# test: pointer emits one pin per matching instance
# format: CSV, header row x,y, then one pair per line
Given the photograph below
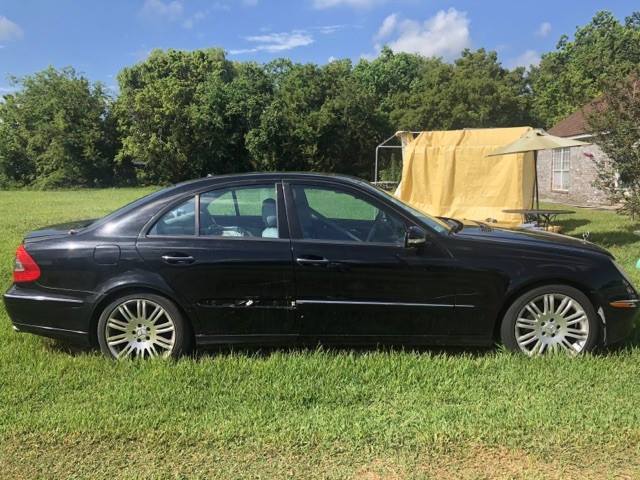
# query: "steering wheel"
x,y
380,218
325,221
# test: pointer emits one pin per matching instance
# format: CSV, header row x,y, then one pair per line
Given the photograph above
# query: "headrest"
x,y
270,221
269,210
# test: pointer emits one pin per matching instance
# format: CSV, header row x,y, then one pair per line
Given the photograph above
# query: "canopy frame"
x,y
384,145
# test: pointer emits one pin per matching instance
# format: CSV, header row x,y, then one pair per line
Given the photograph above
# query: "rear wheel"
x,y
142,325
553,318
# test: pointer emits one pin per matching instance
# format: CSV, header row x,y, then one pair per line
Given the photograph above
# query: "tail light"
x,y
26,269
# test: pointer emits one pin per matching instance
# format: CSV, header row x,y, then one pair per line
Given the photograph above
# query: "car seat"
x,y
269,218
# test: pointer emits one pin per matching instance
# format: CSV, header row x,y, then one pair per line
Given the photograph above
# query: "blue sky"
x,y
98,38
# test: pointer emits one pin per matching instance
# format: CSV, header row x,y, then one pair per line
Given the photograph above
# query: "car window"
x,y
327,213
180,220
223,205
247,211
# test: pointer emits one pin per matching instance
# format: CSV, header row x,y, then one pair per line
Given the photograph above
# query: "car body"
x,y
249,259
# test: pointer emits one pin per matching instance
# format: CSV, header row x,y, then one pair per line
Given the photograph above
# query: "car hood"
x,y
525,236
61,229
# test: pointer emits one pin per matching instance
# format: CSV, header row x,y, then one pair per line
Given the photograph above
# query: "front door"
x,y
354,275
226,253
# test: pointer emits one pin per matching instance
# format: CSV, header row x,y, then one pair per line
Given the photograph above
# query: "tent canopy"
x,y
448,173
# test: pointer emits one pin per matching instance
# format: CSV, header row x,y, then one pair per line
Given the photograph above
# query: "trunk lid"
x,y
58,230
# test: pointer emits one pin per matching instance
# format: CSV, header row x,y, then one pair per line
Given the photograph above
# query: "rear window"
x,y
179,221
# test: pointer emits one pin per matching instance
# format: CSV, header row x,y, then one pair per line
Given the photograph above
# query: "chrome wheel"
x,y
140,328
552,322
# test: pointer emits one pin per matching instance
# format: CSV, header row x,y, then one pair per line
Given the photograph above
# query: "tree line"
x,y
186,114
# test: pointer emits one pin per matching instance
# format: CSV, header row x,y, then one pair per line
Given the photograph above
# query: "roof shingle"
x,y
574,124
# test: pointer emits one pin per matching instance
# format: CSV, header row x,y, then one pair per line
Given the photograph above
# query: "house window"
x,y
560,178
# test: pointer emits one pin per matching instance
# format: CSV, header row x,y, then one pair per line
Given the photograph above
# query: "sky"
x,y
98,38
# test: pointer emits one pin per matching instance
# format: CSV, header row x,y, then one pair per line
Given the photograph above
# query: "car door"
x,y
227,254
354,275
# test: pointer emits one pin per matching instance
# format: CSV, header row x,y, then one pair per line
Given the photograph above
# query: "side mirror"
x,y
415,237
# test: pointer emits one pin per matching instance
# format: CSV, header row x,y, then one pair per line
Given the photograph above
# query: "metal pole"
x,y
535,169
375,175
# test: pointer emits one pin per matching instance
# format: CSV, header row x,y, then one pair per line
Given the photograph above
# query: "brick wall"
x,y
582,173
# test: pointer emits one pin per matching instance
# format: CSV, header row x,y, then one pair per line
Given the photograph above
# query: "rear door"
x,y
354,275
226,252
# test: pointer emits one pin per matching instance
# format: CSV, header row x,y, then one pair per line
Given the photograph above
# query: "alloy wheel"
x,y
140,328
552,322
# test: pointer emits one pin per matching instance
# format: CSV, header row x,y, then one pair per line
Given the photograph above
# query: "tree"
x,y
54,132
577,70
474,92
171,114
388,75
615,121
320,119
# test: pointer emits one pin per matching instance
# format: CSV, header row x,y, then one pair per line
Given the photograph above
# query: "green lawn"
x,y
310,414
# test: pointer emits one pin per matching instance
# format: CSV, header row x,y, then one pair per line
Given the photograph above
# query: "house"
x,y
566,175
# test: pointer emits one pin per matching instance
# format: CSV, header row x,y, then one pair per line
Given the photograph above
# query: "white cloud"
x,y
445,34
330,29
388,26
169,10
9,30
331,59
544,29
526,59
321,4
276,42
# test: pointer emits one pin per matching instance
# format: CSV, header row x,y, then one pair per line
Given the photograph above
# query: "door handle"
x,y
178,259
317,261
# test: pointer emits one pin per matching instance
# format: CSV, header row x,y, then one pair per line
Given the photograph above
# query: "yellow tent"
x,y
448,174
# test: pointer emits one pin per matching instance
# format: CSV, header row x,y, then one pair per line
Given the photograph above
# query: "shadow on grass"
x,y
614,238
264,352
204,352
571,224
607,239
60,346
71,349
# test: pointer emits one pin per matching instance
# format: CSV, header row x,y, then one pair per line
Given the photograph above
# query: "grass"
x,y
310,414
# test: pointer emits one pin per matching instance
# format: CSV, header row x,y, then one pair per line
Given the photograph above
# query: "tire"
x,y
143,325
552,318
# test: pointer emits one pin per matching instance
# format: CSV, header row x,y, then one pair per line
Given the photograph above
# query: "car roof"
x,y
213,180
268,176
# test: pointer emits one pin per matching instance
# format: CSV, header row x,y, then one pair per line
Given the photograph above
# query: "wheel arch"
x,y
121,291
516,293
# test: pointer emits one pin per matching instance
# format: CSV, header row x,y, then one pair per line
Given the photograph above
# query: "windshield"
x,y
435,223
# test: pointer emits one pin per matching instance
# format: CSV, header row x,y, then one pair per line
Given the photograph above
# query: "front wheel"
x,y
553,318
142,325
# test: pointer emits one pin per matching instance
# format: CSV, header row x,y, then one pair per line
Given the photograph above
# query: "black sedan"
x,y
305,258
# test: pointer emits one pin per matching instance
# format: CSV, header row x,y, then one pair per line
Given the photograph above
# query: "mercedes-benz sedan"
x,y
294,258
